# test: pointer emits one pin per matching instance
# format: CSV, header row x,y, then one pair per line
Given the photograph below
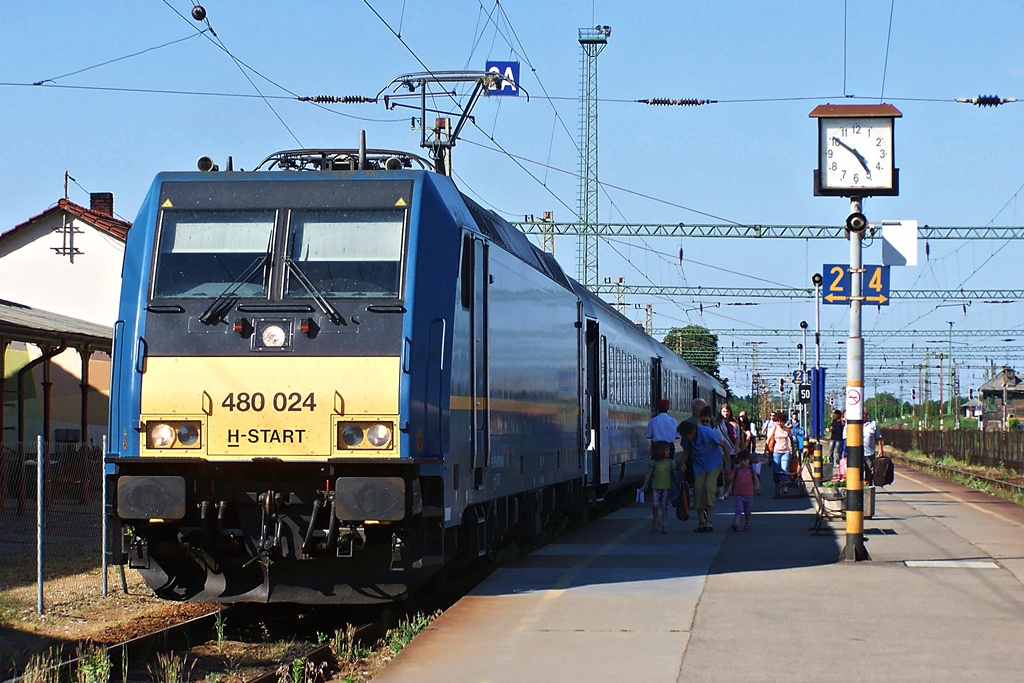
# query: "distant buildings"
x,y
1002,399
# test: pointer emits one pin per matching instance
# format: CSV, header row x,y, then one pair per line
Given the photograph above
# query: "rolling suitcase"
x,y
883,471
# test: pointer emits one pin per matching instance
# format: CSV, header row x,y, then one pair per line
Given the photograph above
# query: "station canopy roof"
x,y
19,322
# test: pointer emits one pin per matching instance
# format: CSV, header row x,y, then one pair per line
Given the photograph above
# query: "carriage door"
x,y
480,446
658,390
591,397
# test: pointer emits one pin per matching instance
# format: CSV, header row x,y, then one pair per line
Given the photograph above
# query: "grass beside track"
x,y
998,481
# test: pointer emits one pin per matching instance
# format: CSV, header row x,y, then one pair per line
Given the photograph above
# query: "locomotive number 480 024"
x,y
244,402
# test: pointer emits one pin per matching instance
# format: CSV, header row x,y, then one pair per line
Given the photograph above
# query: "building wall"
x,y
993,402
65,394
86,286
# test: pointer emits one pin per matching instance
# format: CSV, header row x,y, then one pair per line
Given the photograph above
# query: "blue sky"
x,y
747,159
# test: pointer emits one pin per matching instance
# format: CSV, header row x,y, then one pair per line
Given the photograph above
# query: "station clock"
x,y
856,154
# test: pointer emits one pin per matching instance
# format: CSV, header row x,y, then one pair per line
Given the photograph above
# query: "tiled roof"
x,y
115,226
1008,375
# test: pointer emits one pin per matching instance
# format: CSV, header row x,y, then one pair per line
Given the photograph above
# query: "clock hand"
x,y
860,157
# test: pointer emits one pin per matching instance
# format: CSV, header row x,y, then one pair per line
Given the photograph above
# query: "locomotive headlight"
x,y
161,435
366,436
273,336
352,435
173,434
188,434
379,435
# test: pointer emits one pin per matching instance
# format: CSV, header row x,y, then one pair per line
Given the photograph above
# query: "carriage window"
x,y
604,366
203,253
351,254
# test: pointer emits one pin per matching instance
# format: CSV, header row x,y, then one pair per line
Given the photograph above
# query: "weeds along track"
x,y
961,473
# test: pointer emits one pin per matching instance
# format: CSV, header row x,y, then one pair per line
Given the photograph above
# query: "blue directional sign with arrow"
x,y
836,287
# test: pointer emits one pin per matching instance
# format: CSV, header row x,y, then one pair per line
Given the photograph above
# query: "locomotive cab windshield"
x,y
295,246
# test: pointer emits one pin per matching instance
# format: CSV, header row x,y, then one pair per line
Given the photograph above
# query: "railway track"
x,y
1014,489
312,644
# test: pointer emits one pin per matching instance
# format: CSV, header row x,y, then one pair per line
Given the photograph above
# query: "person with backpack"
x,y
744,483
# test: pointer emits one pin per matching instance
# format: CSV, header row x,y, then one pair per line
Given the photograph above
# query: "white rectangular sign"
x,y
899,243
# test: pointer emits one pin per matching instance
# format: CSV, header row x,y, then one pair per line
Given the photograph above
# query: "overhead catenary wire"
x,y
54,79
242,67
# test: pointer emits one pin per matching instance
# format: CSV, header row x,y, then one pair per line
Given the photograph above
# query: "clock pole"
x,y
856,159
854,550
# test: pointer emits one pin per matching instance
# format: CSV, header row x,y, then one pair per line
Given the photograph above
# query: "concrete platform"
x,y
942,598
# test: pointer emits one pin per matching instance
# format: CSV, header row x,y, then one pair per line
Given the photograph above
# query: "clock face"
x,y
855,154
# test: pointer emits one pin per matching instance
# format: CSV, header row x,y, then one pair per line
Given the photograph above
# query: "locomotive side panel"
x,y
533,394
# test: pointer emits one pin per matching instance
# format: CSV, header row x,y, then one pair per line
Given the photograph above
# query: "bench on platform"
x,y
828,506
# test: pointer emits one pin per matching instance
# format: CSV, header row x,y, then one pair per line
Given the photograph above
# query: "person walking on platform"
x,y
705,449
749,441
730,431
872,446
697,406
778,448
748,433
662,428
744,482
835,443
659,475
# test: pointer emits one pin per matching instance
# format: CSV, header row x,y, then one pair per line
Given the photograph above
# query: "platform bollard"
x,y
816,463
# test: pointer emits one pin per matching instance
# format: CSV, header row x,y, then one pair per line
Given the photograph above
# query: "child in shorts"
x,y
659,475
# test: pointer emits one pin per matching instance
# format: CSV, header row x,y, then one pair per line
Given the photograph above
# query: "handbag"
x,y
769,445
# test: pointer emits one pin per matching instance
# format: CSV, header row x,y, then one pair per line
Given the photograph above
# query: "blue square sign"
x,y
508,84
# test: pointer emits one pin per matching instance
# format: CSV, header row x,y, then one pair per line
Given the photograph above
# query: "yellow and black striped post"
x,y
816,462
854,551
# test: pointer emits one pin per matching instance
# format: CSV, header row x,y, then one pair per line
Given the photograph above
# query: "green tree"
x,y
696,345
884,407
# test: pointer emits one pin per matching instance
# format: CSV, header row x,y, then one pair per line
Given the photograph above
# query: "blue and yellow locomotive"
x,y
336,376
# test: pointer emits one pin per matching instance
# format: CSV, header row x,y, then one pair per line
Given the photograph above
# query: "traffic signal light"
x,y
782,385
913,394
971,392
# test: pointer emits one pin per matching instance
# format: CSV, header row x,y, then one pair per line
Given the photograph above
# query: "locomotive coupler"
x,y
271,521
307,541
352,538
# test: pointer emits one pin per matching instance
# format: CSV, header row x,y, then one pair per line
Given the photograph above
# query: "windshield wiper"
x,y
215,312
329,310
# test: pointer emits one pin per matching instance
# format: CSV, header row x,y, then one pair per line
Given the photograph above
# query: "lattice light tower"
x,y
592,40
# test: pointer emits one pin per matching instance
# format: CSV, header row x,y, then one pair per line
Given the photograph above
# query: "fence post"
x,y
40,456
103,512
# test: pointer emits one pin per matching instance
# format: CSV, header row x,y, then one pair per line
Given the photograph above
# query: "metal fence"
x,y
50,527
972,445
